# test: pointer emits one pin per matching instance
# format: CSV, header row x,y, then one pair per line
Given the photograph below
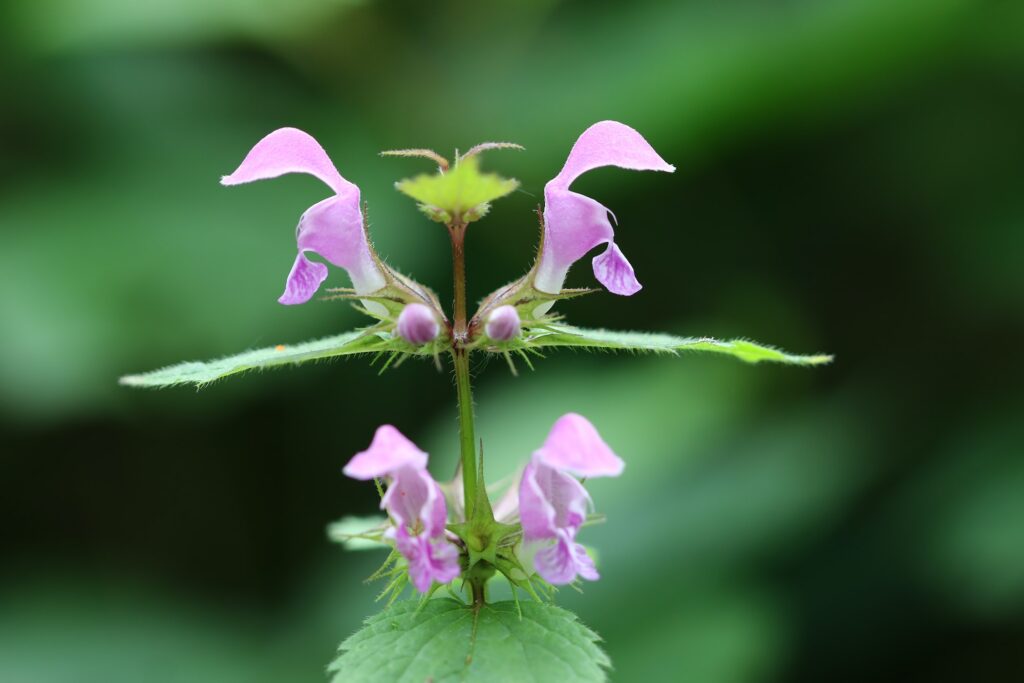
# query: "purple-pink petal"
x,y
415,501
609,143
304,279
412,498
574,224
334,229
574,445
288,150
435,516
550,501
388,452
560,563
430,558
614,272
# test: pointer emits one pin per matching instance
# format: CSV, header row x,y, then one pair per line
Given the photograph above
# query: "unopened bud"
x,y
417,324
503,323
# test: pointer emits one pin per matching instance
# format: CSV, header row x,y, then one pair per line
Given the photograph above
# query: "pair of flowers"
x,y
549,502
335,228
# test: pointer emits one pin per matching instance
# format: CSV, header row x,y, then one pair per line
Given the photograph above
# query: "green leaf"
x,y
349,343
358,533
576,337
458,191
447,641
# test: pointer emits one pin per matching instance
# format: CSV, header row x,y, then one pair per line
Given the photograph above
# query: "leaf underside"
x,y
200,373
439,643
536,339
358,533
642,342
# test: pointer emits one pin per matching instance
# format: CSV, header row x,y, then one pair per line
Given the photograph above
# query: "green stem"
x,y
460,358
479,589
467,438
457,232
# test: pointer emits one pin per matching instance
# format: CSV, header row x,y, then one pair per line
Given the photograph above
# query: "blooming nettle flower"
x,y
574,224
553,504
414,502
332,228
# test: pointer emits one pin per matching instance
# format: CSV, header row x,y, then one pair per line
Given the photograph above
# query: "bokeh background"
x,y
850,181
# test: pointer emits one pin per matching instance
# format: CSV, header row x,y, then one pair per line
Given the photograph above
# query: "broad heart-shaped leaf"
x,y
447,641
576,337
459,189
349,343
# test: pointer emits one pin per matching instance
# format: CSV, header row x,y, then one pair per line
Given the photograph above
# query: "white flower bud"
x,y
417,324
503,323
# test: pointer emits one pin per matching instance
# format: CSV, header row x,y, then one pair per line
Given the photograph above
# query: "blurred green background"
x,y
849,181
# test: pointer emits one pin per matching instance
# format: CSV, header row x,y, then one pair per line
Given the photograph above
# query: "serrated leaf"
x,y
200,373
358,533
576,337
447,641
458,190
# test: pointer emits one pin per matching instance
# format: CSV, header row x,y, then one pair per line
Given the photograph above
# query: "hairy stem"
x,y
460,357
466,430
457,231
479,593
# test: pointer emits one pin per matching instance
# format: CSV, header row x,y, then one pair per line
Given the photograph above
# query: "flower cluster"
x,y
335,230
550,503
444,532
448,533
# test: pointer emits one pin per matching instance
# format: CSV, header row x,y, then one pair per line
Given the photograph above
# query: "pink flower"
x,y
332,228
553,504
574,224
414,502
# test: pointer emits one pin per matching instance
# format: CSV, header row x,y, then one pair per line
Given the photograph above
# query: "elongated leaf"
x,y
441,643
358,533
576,337
349,343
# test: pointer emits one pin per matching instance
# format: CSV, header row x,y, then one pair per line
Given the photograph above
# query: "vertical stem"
x,y
467,437
457,231
460,357
479,588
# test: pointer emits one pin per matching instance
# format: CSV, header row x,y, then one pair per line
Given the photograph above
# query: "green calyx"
x,y
489,544
481,534
490,548
460,194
